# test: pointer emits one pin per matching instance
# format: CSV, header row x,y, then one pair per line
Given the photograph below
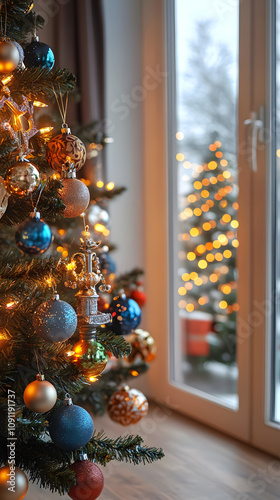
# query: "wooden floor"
x,y
200,464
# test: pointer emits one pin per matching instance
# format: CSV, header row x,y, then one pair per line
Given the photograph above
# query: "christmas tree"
x,y
209,243
41,431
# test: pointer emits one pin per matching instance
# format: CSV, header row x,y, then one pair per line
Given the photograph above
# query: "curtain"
x,y
79,46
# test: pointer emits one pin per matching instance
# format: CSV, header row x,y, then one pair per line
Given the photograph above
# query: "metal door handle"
x,y
257,135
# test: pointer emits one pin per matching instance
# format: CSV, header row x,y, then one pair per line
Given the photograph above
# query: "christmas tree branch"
x,y
40,83
116,344
124,449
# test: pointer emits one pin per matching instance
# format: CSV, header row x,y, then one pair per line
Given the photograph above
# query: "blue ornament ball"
x,y
38,54
126,315
71,427
33,236
107,264
55,320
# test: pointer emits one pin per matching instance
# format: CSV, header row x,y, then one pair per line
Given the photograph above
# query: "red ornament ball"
x,y
139,297
89,481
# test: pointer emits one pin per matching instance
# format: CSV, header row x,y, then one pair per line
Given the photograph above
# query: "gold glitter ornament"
x,y
127,406
22,178
17,478
75,196
40,396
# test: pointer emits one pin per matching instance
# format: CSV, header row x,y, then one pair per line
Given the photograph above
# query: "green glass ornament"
x,y
91,357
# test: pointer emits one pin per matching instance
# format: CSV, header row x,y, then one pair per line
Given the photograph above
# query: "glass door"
x,y
205,220
266,348
209,98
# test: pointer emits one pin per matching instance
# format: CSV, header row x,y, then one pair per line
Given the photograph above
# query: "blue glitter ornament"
x,y
71,427
33,236
126,315
38,54
55,320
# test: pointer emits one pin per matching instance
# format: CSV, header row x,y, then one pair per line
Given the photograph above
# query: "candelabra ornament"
x,y
83,273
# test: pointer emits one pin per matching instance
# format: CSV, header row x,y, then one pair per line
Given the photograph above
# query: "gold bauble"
x,y
142,346
127,406
91,357
40,396
12,477
22,178
9,57
75,196
65,149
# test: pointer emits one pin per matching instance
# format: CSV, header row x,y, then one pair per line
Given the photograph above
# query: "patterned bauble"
x,y
142,346
12,477
33,236
40,396
75,196
139,296
65,149
96,214
127,406
55,320
21,53
9,56
71,427
22,178
3,197
37,54
89,480
106,263
91,357
126,315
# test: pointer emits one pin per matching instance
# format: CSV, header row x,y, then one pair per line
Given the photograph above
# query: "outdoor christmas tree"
x,y
41,369
209,243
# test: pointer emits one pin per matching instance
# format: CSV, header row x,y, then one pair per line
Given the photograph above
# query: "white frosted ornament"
x,y
96,215
4,196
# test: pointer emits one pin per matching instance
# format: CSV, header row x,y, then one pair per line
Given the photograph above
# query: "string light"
x,y
7,79
190,307
187,164
198,281
100,184
194,231
11,304
234,224
179,136
223,304
212,165
191,256
110,186
202,264
45,130
182,290
39,104
180,157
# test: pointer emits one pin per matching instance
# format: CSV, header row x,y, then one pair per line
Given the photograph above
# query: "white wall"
x,y
123,63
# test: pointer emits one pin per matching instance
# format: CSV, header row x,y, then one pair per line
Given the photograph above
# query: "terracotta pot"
x,y
195,328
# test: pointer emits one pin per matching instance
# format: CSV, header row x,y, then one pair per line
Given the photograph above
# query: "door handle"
x,y
257,135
